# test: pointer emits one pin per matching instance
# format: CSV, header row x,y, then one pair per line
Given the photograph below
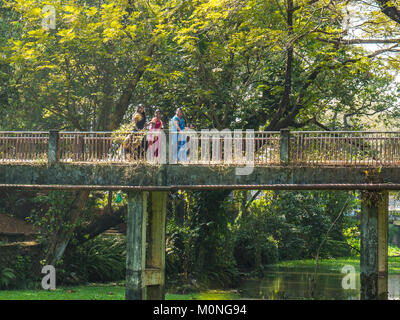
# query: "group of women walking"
x,y
138,145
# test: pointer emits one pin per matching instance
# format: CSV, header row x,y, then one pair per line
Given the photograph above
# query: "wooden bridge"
x,y
341,160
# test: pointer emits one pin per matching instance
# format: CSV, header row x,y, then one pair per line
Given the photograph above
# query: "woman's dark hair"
x,y
139,106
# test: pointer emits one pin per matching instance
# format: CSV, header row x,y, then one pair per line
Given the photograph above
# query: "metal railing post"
x,y
78,147
167,146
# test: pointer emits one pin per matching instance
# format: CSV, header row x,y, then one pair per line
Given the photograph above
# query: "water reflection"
x,y
293,283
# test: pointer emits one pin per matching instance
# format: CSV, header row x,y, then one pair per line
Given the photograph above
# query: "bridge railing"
x,y
205,147
231,148
102,146
345,148
23,146
267,147
200,148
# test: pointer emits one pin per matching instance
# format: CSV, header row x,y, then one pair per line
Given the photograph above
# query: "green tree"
x,y
289,225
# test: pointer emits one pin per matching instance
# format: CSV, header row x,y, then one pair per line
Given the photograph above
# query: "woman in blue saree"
x,y
178,148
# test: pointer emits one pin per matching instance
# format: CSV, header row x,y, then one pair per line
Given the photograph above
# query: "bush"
x,y
293,225
100,259
393,251
254,245
6,275
245,251
25,277
352,237
335,249
175,256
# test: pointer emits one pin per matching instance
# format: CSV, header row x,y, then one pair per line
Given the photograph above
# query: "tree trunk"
x,y
100,224
257,248
243,203
123,102
284,104
60,240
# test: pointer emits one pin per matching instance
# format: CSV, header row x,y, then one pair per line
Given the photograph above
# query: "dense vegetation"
x,y
258,64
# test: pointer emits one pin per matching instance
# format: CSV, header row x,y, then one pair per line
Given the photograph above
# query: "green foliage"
x,y
6,275
393,251
199,241
393,230
176,258
246,252
72,76
335,248
25,278
101,199
224,62
291,225
17,203
210,238
254,245
52,214
100,259
352,236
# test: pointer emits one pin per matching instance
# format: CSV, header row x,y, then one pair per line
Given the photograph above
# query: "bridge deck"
x,y
172,177
274,160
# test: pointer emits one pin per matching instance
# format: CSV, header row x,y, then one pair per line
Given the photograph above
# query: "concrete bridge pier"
x,y
374,245
145,264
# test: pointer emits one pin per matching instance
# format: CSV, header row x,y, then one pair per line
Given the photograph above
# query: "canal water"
x,y
295,283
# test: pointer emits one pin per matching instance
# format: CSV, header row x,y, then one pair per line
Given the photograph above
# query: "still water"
x,y
295,283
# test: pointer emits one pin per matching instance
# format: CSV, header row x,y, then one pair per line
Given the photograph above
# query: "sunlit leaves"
x,y
223,61
93,49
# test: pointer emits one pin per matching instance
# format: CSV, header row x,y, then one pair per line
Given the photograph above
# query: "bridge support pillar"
x,y
145,269
156,249
374,245
136,246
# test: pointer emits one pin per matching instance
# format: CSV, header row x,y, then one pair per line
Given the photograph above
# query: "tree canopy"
x,y
229,64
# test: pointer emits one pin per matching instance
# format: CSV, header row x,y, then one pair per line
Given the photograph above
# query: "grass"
x,y
335,265
67,293
104,292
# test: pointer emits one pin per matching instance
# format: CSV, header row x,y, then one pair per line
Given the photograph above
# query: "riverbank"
x,y
284,280
334,265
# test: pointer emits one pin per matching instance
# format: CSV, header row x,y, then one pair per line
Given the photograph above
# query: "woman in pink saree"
x,y
154,139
